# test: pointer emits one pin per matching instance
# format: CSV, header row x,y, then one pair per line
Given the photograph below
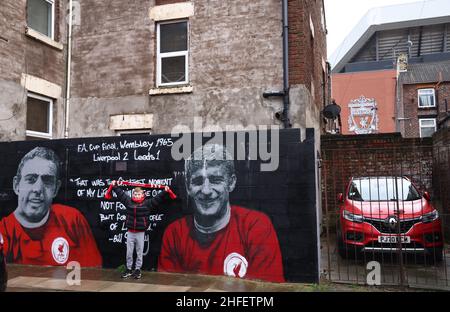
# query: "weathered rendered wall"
x,y
235,55
21,54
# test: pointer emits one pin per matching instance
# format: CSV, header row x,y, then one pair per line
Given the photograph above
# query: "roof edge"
x,y
387,18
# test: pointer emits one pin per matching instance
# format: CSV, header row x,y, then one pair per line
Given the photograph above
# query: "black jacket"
x,y
138,213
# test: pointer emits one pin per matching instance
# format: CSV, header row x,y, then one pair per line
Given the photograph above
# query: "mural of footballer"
x,y
39,232
219,238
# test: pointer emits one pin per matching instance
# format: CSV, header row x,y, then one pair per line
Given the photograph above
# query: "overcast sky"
x,y
343,15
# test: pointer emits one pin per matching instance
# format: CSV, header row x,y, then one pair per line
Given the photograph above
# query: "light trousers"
x,y
135,240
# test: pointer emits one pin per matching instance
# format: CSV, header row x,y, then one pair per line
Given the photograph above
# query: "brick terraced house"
x,y
127,67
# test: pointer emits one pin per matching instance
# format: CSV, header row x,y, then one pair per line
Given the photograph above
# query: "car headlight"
x,y
1,239
430,217
353,217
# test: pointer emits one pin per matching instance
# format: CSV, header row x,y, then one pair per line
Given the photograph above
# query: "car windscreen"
x,y
382,189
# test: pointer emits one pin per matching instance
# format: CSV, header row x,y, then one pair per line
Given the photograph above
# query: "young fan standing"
x,y
138,209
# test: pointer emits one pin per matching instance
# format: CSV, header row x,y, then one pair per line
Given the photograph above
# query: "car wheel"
x,y
345,251
340,245
3,275
342,251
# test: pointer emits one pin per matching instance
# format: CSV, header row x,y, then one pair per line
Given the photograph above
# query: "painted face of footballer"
x,y
210,186
36,188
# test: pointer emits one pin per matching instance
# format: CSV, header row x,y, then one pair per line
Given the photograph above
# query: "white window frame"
x,y
160,56
419,94
37,134
426,119
52,2
322,19
311,26
52,35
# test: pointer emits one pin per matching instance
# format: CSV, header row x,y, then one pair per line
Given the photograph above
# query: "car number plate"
x,y
394,239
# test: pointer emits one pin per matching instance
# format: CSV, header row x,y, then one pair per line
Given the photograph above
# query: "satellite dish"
x,y
332,111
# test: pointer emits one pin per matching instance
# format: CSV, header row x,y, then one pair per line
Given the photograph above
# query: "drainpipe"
x,y
285,117
68,72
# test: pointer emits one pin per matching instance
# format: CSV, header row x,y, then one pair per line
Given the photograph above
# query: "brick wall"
x,y
371,155
235,56
412,110
307,53
426,161
441,167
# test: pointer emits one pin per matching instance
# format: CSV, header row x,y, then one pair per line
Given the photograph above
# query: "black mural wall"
x,y
275,209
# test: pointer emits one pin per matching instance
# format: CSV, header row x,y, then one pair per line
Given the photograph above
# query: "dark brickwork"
x,y
307,53
441,167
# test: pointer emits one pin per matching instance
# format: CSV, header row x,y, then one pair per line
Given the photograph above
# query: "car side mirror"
x,y
340,198
427,196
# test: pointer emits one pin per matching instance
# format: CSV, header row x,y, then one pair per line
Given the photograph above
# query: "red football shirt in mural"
x,y
65,237
247,248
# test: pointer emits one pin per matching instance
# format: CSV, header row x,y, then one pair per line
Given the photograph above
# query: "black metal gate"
x,y
386,212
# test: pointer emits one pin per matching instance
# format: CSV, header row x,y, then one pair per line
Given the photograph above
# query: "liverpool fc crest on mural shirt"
x,y
65,237
246,248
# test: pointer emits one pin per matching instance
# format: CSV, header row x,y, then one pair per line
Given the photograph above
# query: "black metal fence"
x,y
386,215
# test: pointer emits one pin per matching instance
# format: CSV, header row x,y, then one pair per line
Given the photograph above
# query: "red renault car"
x,y
385,214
